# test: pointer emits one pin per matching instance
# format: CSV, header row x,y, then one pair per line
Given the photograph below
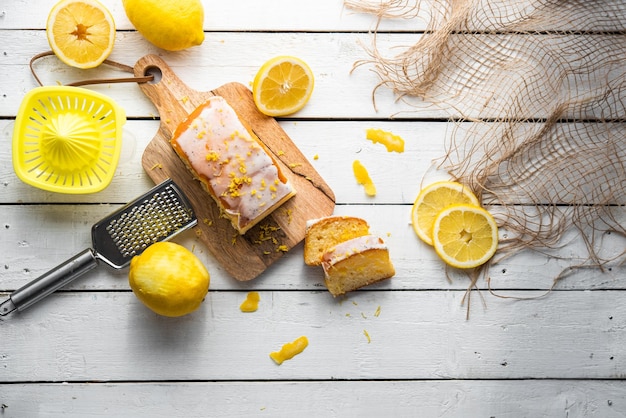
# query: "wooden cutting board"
x,y
243,256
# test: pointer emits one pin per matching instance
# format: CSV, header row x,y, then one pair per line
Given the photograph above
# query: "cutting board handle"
x,y
166,88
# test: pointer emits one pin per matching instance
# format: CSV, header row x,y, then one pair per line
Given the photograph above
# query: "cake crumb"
x,y
316,157
289,214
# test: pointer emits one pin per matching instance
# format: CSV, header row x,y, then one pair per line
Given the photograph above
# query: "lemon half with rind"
x,y
432,199
81,33
282,86
465,236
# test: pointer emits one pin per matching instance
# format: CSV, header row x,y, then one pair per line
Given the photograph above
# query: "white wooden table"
x,y
92,349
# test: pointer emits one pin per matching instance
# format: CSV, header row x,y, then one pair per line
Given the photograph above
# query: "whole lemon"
x,y
172,25
169,279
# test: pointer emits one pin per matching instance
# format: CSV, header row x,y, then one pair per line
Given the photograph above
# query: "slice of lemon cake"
x,y
324,233
231,163
355,263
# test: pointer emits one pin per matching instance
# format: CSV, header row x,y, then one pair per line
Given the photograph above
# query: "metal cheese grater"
x,y
158,215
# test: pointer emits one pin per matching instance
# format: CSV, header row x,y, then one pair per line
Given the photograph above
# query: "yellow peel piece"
x,y
363,177
391,141
290,350
251,303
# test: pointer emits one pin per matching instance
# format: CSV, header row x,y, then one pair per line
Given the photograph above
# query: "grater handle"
x,y
53,280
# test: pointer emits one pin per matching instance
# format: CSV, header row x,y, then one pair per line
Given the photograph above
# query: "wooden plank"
x,y
322,15
413,335
431,398
330,147
242,256
330,15
35,238
236,57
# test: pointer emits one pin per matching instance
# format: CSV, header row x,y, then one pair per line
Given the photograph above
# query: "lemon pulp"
x,y
282,86
431,200
81,33
465,236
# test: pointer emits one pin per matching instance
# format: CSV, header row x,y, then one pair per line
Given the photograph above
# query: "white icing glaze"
x,y
311,222
222,152
353,246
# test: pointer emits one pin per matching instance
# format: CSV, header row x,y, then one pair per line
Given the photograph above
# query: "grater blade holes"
x,y
147,222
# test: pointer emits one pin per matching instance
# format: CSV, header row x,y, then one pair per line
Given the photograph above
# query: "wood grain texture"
x,y
37,237
243,256
340,92
111,336
422,398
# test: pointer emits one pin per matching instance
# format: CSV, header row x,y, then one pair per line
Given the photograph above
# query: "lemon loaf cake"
x,y
324,233
231,163
355,263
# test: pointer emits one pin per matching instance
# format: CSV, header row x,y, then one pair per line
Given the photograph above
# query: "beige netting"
x,y
540,87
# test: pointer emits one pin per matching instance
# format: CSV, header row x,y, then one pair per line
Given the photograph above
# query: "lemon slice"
x,y
81,33
433,199
465,236
282,86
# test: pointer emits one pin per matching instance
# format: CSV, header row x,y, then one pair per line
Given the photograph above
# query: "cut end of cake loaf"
x,y
325,233
356,263
231,163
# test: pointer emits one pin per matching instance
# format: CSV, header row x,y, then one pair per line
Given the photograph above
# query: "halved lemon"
x,y
282,86
81,33
432,199
465,236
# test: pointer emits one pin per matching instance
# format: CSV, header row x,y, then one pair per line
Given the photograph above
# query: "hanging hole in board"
x,y
155,72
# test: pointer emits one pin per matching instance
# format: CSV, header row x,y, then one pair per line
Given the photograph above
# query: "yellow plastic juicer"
x,y
67,139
